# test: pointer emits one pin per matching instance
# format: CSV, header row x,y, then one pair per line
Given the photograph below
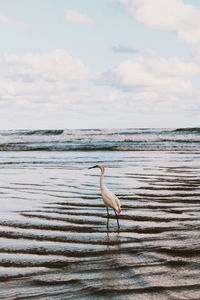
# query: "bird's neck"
x,y
102,178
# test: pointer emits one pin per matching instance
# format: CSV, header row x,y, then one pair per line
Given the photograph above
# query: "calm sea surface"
x,y
53,238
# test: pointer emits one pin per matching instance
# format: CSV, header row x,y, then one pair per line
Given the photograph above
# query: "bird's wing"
x,y
118,204
111,200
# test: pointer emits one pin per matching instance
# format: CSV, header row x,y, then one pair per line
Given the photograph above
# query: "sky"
x,y
99,64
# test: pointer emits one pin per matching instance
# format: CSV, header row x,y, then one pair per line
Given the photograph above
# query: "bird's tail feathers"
x,y
118,209
118,206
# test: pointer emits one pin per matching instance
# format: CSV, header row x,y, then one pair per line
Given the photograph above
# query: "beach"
x,y
54,243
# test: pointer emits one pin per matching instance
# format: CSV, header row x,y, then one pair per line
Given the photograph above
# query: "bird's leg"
x,y
117,218
107,218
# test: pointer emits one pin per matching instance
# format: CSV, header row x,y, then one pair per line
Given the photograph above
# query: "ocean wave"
x,y
104,147
41,132
146,139
103,138
99,132
188,129
80,141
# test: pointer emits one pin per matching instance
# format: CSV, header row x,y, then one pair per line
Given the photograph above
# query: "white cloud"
x,y
145,81
41,93
173,15
153,72
158,83
57,65
43,78
77,17
12,22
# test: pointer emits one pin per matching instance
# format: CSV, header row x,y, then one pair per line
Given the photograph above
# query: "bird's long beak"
x,y
92,167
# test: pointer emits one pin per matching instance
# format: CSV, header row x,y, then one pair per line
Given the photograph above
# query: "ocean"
x,y
54,243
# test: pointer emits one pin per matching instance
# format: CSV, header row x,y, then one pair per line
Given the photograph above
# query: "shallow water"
x,y
53,238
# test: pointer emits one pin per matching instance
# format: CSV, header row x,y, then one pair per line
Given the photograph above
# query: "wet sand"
x,y
53,238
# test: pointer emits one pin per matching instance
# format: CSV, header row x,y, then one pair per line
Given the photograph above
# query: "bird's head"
x,y
100,166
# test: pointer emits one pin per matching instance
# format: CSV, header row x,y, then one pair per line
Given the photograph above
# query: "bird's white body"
x,y
109,198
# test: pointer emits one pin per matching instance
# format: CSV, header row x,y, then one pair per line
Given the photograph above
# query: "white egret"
x,y
109,198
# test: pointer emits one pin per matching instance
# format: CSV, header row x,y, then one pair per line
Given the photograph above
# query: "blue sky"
x,y
91,64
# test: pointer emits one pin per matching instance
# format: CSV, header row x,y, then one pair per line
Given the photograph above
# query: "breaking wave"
x,y
192,129
39,132
142,139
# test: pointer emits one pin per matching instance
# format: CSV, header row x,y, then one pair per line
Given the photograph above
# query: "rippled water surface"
x,y
53,238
